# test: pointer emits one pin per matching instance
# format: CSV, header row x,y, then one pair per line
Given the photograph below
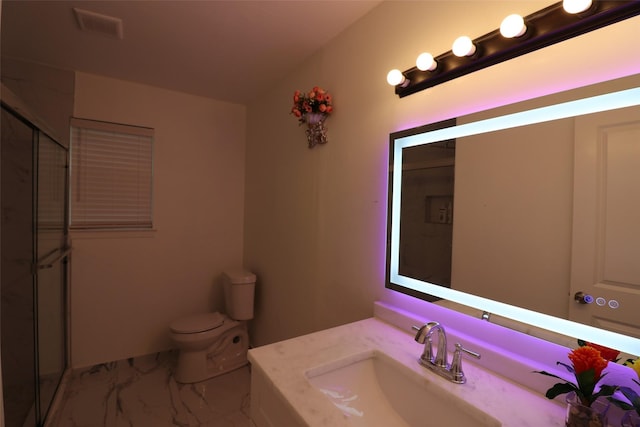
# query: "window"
x,y
111,175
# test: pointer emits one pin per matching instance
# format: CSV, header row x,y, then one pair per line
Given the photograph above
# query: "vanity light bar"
x,y
542,28
595,104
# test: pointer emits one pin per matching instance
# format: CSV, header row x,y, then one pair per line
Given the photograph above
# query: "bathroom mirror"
x,y
513,211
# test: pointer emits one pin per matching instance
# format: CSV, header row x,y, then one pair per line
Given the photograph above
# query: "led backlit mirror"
x,y
526,268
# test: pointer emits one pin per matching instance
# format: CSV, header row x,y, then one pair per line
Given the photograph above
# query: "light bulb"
x,y
395,77
512,26
463,46
576,6
425,62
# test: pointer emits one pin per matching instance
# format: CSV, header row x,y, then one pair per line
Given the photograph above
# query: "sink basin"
x,y
373,389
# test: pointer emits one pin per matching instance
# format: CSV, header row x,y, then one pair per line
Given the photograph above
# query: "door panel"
x,y
606,227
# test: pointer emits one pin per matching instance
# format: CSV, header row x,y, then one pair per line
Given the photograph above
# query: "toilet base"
x,y
227,353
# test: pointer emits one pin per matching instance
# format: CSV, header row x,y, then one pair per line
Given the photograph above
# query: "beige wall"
x,y
514,200
127,287
47,91
316,219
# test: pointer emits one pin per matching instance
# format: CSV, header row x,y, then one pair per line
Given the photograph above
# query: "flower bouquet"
x,y
315,102
313,108
587,365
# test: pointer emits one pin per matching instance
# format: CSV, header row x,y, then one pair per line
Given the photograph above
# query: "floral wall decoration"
x,y
313,108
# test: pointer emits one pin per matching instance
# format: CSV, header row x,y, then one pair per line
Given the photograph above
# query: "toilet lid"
x,y
197,323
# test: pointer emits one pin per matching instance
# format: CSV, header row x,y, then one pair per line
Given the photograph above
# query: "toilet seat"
x,y
197,323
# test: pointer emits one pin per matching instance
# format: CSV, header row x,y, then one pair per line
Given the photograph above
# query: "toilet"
x,y
211,344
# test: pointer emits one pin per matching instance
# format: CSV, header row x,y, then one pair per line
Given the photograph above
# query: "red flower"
x,y
608,353
317,100
587,357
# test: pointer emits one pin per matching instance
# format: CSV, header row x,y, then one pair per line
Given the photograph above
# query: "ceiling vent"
x,y
101,24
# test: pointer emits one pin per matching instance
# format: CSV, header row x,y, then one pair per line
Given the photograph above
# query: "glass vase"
x,y
579,415
631,419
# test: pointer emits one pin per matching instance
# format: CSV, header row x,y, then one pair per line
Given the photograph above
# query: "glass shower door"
x,y
33,271
17,290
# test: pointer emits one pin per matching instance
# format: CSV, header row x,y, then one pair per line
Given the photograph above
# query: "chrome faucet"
x,y
439,364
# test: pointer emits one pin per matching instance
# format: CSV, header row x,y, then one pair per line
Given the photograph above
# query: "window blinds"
x,y
52,184
111,175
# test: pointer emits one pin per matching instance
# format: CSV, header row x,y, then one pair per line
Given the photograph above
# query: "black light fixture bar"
x,y
545,27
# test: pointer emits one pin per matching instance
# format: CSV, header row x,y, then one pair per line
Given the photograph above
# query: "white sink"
x,y
373,389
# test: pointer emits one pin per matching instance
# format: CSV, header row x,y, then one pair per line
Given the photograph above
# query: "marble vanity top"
x,y
285,364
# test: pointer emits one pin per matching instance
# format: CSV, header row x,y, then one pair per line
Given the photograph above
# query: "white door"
x,y
605,265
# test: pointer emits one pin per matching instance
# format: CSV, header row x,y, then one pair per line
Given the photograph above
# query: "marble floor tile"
x,y
141,392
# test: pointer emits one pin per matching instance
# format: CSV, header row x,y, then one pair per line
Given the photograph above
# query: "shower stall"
x,y
34,262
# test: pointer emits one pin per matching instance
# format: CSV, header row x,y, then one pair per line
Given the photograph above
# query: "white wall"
x,y
126,287
316,219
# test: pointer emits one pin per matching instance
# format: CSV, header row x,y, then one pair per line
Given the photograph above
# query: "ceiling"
x,y
222,49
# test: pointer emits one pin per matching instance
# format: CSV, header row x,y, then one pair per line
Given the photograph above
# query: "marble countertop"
x,y
286,362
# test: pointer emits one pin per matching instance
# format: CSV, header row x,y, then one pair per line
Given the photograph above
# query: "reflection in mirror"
x,y
427,220
514,224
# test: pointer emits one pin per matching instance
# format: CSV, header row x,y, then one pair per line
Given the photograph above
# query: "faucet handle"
x,y
456,364
421,333
422,337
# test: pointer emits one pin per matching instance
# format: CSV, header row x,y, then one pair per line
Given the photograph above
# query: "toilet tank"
x,y
239,290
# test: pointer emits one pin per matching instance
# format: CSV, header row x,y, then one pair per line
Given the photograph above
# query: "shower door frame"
x,y
60,256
